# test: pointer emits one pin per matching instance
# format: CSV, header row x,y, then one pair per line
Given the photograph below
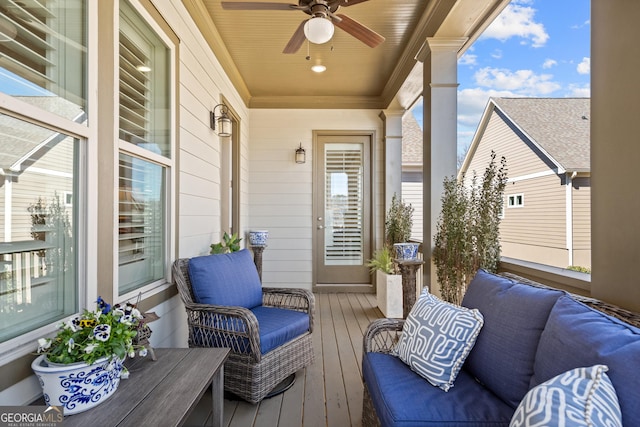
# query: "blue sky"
x,y
535,48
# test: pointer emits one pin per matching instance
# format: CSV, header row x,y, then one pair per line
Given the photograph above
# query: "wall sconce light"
x,y
223,122
300,154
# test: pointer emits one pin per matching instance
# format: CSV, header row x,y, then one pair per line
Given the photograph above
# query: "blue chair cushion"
x,y
514,317
578,336
579,397
403,398
279,326
226,279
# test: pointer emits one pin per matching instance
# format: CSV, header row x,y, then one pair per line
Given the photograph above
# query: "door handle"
x,y
320,227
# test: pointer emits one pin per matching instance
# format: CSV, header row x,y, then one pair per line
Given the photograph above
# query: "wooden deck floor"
x,y
327,393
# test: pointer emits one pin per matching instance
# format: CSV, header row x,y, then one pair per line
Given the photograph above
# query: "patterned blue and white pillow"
x,y
436,339
579,397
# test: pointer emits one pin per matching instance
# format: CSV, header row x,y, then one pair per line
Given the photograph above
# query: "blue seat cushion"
x,y
578,336
514,317
279,326
403,398
226,279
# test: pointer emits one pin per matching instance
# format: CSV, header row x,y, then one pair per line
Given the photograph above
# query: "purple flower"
x,y
104,306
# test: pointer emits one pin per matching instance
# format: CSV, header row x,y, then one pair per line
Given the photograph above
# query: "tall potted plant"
x,y
467,232
398,222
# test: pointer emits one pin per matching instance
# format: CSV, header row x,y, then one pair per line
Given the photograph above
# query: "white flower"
x,y
127,319
102,332
132,353
73,324
89,348
43,344
143,352
136,313
71,344
124,373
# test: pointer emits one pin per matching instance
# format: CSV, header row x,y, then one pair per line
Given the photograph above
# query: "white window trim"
x,y
515,198
170,178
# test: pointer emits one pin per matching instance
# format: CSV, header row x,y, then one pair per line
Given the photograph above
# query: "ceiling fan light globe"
x,y
318,30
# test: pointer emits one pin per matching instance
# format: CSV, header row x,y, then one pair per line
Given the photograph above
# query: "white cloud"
x,y
497,54
517,20
576,91
585,66
523,82
548,63
472,102
471,105
468,59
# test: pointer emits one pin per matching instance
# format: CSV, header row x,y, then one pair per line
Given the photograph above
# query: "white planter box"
x,y
389,294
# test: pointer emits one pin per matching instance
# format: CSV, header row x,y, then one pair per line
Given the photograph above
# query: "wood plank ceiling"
x,y
249,45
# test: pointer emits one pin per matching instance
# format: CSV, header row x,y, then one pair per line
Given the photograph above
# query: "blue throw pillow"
x,y
226,279
580,397
436,339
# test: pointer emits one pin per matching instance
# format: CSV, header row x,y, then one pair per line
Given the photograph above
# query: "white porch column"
x,y
392,138
440,58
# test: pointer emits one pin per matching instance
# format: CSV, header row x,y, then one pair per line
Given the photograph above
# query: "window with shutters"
x,y
344,237
43,69
145,152
43,54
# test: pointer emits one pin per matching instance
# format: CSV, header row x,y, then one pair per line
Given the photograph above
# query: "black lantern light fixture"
x,y
300,154
222,122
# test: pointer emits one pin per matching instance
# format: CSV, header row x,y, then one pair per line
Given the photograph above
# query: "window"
x,y
43,66
145,152
43,50
515,201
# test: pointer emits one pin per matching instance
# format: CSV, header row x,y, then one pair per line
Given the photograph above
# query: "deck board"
x,y
327,393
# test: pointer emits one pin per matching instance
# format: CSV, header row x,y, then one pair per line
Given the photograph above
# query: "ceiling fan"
x,y
319,28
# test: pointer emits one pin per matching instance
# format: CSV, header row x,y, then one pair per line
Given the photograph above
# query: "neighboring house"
x,y
547,213
412,171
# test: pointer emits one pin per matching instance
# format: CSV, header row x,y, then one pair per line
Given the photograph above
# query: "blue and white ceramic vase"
x,y
258,237
77,387
406,251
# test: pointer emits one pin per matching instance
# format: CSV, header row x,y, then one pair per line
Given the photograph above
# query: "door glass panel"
x,y
344,234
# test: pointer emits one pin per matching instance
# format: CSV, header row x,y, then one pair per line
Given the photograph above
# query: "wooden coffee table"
x,y
162,392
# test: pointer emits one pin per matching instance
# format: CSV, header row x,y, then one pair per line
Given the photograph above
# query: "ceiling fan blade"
x,y
254,5
357,30
296,40
346,3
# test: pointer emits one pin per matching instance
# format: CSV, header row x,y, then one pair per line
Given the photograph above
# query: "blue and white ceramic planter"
x,y
406,251
258,237
77,387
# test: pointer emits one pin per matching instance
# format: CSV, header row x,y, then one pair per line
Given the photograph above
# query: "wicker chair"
x,y
248,373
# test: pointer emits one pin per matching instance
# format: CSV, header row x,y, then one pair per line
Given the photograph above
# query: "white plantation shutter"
x,y
26,39
43,51
344,237
143,123
134,92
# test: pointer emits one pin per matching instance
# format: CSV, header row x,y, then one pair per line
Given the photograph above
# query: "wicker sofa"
x,y
531,334
269,330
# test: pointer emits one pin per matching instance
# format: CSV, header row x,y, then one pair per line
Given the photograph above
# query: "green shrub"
x,y
468,229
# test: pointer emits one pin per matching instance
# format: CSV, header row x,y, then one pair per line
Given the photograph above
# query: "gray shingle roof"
x,y
411,140
561,126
